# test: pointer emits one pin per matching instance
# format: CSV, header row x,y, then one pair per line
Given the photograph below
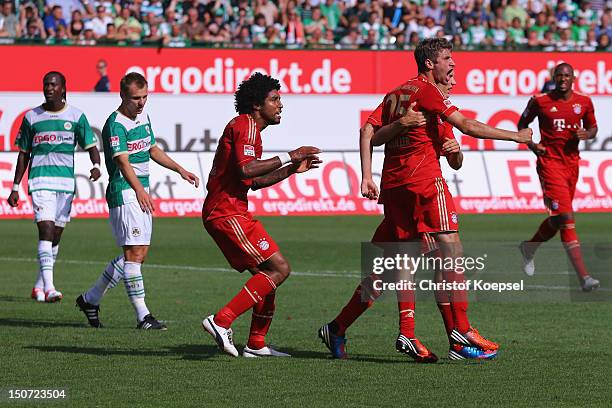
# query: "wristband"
x,y
284,158
15,187
96,166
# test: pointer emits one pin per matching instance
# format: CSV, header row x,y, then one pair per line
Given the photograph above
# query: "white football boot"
x,y
221,335
266,351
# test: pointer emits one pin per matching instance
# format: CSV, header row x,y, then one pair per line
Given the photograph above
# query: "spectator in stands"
x,y
268,9
565,42
103,84
451,18
562,15
111,33
332,13
590,44
317,21
127,18
99,24
497,35
69,6
514,10
352,39
244,36
605,26
9,24
193,29
165,28
294,29
477,33
516,33
430,29
35,30
88,38
548,42
258,28
177,38
76,29
432,9
360,10
373,24
152,6
604,43
60,36
54,20
540,26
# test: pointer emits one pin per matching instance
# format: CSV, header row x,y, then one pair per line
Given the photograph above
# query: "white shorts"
x,y
52,206
131,225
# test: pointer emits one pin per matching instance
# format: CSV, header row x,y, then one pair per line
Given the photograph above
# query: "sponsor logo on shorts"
x,y
263,244
135,232
554,205
577,108
67,125
249,150
454,217
114,140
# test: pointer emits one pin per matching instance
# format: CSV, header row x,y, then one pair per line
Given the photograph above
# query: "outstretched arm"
x,y
256,168
483,131
23,159
279,175
160,157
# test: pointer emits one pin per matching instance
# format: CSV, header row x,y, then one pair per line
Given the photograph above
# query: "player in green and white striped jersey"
x,y
47,139
129,143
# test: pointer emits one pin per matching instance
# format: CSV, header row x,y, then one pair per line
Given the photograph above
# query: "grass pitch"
x,y
555,347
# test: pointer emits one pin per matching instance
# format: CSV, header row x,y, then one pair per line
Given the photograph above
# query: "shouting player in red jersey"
x,y
566,117
418,203
237,167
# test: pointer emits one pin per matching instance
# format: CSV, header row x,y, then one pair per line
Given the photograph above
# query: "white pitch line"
x,y
320,274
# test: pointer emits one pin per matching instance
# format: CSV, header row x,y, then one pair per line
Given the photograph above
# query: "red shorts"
x,y
243,240
414,209
558,187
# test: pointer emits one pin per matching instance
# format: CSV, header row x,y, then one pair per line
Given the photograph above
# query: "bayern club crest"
x,y
454,217
263,244
577,108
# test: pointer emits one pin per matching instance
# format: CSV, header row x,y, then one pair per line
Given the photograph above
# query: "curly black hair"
x,y
254,91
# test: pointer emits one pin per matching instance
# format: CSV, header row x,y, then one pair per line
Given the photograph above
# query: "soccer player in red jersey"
x,y
417,202
238,167
566,117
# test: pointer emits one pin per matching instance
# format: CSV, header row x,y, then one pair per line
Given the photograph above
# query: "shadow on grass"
x,y
184,351
32,323
17,299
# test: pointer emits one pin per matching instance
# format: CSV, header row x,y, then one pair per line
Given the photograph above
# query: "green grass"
x,y
555,347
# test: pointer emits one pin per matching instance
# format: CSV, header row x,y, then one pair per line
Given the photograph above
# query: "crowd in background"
x,y
557,25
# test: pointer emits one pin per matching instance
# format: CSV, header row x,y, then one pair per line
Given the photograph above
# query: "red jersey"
x,y
375,118
559,119
227,190
413,155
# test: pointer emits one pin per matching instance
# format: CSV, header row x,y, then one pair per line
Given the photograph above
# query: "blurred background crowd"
x,y
557,25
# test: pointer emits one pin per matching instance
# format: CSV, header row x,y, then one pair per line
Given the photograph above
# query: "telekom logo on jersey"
x,y
138,146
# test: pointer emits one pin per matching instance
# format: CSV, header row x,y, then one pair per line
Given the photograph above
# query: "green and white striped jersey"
x,y
51,138
122,135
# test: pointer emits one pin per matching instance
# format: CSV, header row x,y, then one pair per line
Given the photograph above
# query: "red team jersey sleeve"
x,y
431,100
244,136
375,118
588,121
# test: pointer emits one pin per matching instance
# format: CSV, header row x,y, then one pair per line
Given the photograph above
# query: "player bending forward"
x,y
47,138
237,167
565,117
418,204
129,143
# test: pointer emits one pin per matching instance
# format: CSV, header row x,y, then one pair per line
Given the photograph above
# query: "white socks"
x,y
108,280
40,282
134,286
45,262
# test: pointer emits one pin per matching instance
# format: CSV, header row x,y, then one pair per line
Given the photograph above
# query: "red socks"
x,y
458,302
572,247
253,292
406,306
356,305
546,231
261,321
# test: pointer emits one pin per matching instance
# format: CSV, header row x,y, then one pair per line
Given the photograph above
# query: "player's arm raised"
x,y
23,159
160,157
256,168
369,189
278,175
145,201
481,130
410,120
